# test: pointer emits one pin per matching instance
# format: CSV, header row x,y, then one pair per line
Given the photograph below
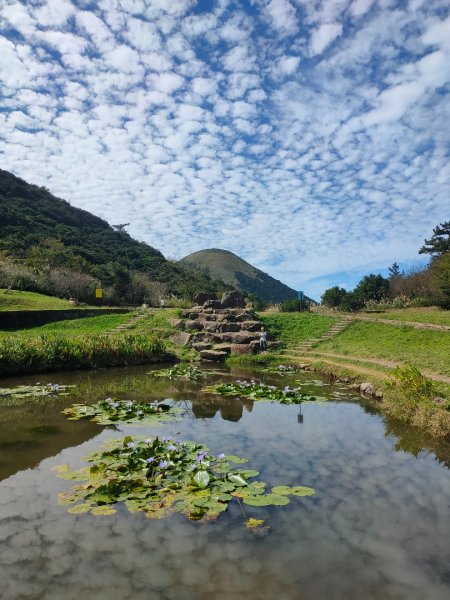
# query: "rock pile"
x,y
222,327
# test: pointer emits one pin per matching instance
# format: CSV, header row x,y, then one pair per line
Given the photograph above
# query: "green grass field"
x,y
434,315
17,300
72,327
293,328
426,349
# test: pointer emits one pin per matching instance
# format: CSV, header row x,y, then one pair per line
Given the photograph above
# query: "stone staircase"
x,y
305,346
219,328
133,321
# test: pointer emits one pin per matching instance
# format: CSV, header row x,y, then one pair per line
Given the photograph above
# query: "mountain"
x,y
226,266
30,216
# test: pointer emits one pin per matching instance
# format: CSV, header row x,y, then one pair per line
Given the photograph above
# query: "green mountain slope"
x,y
30,214
224,265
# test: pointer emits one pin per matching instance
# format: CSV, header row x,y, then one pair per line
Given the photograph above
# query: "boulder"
x,y
251,325
212,304
238,337
223,347
201,346
232,299
181,338
178,323
241,349
213,355
203,297
224,327
193,326
367,389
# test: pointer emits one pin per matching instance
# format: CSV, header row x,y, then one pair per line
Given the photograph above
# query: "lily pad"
x,y
266,500
259,391
253,523
110,411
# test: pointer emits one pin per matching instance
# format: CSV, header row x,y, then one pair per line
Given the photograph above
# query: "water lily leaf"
x,y
302,491
252,523
237,479
60,469
201,478
79,509
247,473
266,500
235,459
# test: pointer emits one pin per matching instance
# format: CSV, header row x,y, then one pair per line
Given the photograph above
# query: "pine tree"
x,y
439,242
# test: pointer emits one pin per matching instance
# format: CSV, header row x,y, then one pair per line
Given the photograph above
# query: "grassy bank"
x,y
292,328
425,348
73,327
54,353
18,300
432,314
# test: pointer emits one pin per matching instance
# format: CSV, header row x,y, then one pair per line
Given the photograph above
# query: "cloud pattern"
x,y
310,138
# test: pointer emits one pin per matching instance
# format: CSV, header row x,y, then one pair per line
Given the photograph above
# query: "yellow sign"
x,y
98,293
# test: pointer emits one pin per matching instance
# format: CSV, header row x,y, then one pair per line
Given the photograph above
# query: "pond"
x,y
378,526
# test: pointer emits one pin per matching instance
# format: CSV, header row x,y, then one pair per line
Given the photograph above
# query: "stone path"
x,y
306,345
131,323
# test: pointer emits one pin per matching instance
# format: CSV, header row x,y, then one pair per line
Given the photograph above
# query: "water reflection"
x,y
377,528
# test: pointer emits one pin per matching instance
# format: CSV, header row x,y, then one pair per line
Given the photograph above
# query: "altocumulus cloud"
x,y
310,138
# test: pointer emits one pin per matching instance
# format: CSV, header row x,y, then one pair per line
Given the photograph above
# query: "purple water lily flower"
x,y
166,438
220,456
148,441
139,412
200,456
171,447
131,445
150,460
163,464
286,389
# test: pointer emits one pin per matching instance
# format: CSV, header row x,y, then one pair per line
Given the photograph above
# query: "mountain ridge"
x,y
235,271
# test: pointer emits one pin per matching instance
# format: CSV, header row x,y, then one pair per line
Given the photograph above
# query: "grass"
x,y
293,328
18,300
72,327
434,315
53,353
425,348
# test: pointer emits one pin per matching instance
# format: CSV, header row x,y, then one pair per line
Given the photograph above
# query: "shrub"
x,y
294,306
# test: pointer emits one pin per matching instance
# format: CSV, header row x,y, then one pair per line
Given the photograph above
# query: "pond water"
x,y
377,528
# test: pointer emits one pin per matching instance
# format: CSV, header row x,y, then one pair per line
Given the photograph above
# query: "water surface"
x,y
377,528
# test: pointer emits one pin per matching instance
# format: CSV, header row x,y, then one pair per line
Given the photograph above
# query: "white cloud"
x,y
324,36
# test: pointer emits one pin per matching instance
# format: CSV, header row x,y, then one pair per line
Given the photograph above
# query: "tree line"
x,y
428,286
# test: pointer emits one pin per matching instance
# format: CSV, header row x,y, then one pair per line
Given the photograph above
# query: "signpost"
x,y
99,295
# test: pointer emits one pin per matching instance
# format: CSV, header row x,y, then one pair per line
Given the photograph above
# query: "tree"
x,y
439,242
333,297
372,287
394,271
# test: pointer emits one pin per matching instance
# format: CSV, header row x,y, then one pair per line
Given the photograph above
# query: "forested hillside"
x,y
39,233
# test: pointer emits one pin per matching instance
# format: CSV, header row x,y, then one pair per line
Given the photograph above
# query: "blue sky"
x,y
309,137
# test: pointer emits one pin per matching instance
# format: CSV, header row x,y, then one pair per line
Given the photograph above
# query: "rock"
x,y
201,346
227,327
193,326
223,348
192,315
181,338
232,299
212,304
178,323
379,394
241,349
251,325
238,337
367,389
203,297
254,346
213,355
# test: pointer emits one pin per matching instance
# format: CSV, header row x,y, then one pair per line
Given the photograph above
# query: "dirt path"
x,y
414,324
375,361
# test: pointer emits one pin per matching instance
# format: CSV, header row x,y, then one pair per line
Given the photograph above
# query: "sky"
x,y
309,137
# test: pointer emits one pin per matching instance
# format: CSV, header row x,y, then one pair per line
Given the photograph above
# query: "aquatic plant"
x,y
30,391
106,412
259,391
180,372
45,353
280,369
164,476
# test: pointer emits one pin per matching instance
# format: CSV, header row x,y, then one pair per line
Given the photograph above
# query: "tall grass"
x,y
51,353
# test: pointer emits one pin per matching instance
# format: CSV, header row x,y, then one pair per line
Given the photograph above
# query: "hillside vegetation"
x,y
49,246
226,266
18,300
